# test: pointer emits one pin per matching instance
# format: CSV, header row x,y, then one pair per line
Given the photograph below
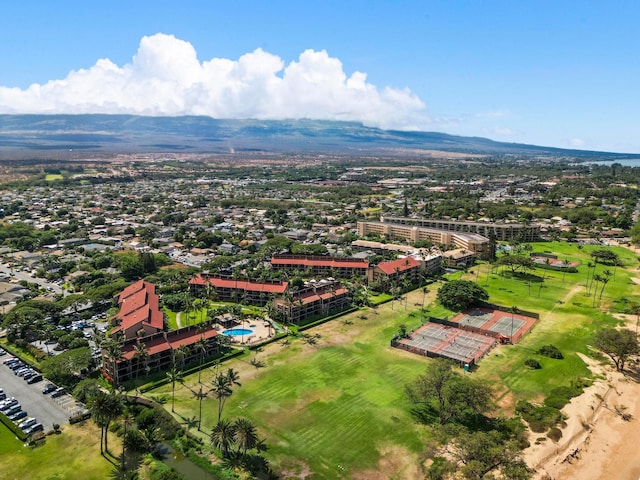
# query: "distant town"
x,y
138,274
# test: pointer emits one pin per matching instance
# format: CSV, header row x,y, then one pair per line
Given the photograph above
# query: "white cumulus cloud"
x,y
165,77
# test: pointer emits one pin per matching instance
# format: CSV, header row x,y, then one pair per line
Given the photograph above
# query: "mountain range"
x,y
23,135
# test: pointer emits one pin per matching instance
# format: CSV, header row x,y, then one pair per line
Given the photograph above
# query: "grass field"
x,y
52,177
75,453
338,407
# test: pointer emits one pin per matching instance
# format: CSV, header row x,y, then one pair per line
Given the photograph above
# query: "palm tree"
x,y
246,436
201,346
424,294
223,388
174,376
223,436
589,266
127,420
112,409
141,354
222,391
113,350
605,279
97,405
182,352
595,278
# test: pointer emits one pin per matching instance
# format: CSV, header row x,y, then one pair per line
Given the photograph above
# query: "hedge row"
x,y
13,427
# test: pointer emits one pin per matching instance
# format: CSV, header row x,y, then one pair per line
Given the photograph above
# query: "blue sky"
x,y
557,73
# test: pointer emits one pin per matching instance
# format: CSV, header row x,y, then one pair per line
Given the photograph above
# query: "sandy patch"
x,y
394,462
597,442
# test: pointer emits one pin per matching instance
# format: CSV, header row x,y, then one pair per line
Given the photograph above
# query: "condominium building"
x,y
322,299
229,289
343,267
502,231
472,242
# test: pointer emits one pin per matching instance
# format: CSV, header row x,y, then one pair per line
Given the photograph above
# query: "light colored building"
x,y
472,242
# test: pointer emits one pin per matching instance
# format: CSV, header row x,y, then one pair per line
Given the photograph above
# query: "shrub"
x,y
540,418
533,364
554,434
551,352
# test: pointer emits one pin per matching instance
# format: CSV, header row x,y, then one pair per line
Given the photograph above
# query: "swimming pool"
x,y
237,332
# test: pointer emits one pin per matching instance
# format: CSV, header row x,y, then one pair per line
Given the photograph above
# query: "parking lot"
x,y
45,409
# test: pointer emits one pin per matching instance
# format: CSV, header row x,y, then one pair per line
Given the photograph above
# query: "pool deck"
x,y
261,331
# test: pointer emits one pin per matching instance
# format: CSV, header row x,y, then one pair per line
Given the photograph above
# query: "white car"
x,y
27,423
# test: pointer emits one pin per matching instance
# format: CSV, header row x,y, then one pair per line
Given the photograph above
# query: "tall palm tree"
x,y
201,346
112,409
222,390
589,266
97,405
127,420
174,376
140,353
113,349
182,352
223,436
424,294
246,436
605,279
595,278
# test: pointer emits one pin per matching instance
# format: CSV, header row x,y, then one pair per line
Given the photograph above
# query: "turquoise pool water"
x,y
237,332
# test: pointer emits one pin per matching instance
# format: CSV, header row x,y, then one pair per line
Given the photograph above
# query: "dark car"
x,y
48,388
3,396
18,416
35,379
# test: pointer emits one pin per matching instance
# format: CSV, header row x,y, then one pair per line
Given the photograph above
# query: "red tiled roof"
x,y
321,262
173,341
139,305
249,285
399,265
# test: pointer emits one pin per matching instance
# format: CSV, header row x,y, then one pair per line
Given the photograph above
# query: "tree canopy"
x,y
619,345
459,295
450,394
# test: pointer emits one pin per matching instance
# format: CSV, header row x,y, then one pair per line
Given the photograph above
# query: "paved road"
x,y
43,282
45,409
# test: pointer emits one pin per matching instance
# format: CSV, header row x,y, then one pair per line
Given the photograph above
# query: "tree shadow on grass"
x,y
425,414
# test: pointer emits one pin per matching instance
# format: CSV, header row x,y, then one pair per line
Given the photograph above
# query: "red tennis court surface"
x,y
502,325
467,337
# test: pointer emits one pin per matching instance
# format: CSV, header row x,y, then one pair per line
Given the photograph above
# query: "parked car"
x,y
48,388
27,423
29,374
8,360
7,404
2,352
13,409
3,396
18,416
33,429
35,379
23,371
58,392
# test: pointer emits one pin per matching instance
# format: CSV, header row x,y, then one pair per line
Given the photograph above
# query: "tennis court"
x,y
435,340
498,323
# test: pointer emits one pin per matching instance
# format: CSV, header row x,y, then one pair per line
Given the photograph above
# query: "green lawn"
x,y
75,453
338,406
51,177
